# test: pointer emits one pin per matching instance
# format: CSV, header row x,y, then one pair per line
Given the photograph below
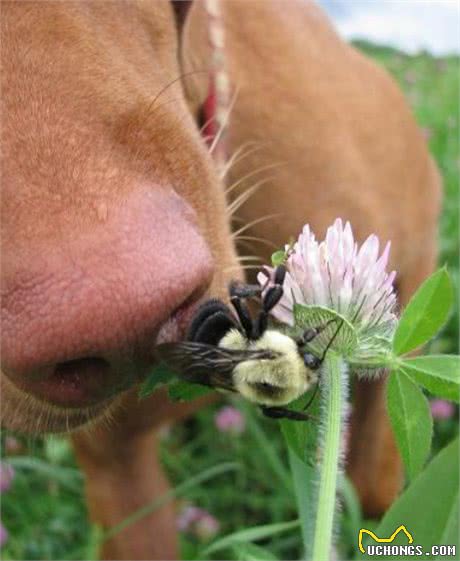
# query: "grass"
x,y
44,511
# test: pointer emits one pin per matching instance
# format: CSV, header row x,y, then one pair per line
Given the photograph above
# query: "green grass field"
x,y
44,511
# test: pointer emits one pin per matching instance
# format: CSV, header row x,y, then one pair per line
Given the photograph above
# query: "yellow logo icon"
x,y
363,531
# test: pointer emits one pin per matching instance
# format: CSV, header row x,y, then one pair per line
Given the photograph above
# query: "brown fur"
x,y
96,120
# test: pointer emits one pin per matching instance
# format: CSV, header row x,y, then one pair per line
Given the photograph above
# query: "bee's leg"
x,y
330,342
211,322
283,413
312,332
270,299
274,293
242,290
241,309
310,360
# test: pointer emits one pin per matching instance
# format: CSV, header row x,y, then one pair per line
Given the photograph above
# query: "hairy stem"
x,y
334,386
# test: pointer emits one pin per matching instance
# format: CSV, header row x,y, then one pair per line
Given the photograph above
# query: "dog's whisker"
x,y
244,258
171,83
238,219
223,125
240,154
254,222
241,268
245,195
205,126
249,175
242,239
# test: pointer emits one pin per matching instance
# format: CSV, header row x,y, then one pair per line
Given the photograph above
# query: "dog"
x,y
116,222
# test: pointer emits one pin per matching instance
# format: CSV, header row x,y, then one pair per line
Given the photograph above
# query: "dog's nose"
x,y
80,317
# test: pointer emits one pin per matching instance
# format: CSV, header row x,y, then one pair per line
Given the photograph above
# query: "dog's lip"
x,y
65,388
68,387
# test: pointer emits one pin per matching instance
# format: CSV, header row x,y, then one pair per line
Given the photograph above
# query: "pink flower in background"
x,y
442,409
197,522
206,527
3,535
427,132
13,445
229,419
339,275
188,516
6,476
410,77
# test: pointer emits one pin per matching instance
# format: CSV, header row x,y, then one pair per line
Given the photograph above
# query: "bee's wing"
x,y
207,365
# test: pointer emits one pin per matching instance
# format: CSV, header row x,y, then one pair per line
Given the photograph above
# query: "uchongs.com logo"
x,y
385,546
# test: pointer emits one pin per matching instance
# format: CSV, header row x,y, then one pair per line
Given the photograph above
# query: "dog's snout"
x,y
81,325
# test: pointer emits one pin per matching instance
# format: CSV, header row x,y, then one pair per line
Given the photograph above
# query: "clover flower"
x,y
187,517
229,419
197,522
13,445
6,479
338,274
6,476
3,535
442,409
206,527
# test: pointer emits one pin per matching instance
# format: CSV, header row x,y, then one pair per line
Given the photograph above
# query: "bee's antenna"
x,y
312,398
318,361
331,341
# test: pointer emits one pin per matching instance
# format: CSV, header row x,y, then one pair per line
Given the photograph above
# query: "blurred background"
x,y
43,512
409,25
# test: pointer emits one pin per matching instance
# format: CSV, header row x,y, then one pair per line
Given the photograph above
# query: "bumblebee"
x,y
242,355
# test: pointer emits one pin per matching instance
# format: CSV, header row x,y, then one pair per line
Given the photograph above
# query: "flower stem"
x,y
334,389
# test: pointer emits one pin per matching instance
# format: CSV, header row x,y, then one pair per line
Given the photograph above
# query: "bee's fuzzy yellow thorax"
x,y
270,382
234,340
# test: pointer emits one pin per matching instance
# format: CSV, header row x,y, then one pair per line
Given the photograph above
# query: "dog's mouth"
x,y
72,393
92,380
42,416
81,383
76,383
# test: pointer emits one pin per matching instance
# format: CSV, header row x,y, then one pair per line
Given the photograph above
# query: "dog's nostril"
x,y
75,383
81,367
185,306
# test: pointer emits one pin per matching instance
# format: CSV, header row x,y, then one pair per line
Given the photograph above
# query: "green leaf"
x,y
411,421
160,375
301,438
278,257
66,476
93,546
351,505
183,391
346,340
266,451
251,552
296,436
249,535
305,484
425,314
428,508
439,374
281,256
57,449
